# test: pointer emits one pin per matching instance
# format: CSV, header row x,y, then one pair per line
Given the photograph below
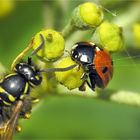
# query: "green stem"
x,y
68,30
48,15
126,97
121,97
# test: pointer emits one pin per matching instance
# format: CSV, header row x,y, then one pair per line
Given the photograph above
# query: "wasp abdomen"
x,y
12,88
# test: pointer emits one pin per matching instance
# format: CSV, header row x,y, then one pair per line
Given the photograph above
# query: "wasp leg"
x,y
35,100
27,115
18,128
27,107
1,118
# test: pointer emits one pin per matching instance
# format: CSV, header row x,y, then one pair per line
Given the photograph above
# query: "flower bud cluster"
x,y
85,16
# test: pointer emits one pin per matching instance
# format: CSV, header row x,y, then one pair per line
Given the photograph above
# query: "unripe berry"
x,y
71,78
54,45
110,36
87,15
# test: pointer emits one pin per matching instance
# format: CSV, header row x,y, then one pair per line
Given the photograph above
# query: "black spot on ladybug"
x,y
104,69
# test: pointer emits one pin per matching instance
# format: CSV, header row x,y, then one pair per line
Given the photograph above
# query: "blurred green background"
x,y
70,116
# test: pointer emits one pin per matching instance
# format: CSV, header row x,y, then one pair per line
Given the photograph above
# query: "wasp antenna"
x,y
59,69
39,47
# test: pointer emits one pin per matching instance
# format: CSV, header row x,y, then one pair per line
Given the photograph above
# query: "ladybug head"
x,y
83,53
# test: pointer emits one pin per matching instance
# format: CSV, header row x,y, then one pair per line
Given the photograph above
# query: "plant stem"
x,y
48,15
126,97
120,97
68,30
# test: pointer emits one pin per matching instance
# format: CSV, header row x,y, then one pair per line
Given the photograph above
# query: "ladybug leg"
x,y
82,87
79,69
92,82
91,86
84,76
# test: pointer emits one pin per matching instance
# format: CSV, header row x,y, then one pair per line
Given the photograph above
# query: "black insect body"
x,y
16,85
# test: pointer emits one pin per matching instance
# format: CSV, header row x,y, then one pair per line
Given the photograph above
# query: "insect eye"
x,y
75,54
104,69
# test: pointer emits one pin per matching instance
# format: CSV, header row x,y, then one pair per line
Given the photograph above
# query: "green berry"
x,y
71,78
87,15
110,36
54,45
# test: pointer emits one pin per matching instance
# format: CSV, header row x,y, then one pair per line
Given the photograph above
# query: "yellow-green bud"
x,y
136,33
54,45
6,6
71,78
87,15
110,36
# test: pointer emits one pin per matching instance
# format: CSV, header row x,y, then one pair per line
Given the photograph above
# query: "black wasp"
x,y
17,85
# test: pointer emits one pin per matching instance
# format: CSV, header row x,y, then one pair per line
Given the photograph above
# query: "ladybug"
x,y
96,62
